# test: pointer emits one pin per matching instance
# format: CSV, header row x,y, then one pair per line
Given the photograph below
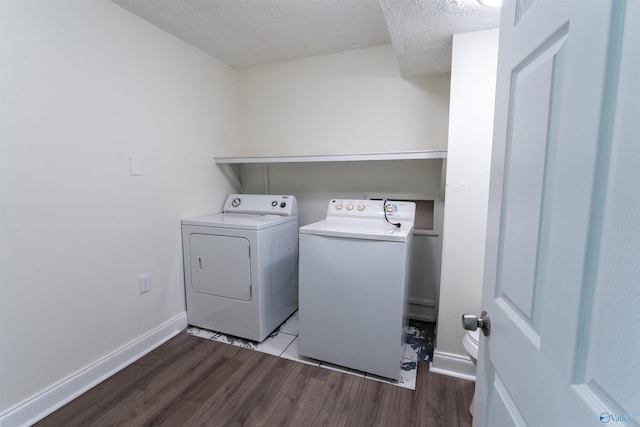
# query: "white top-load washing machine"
x,y
354,281
241,266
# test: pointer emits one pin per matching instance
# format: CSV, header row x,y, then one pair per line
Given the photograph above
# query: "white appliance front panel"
x,y
353,302
221,266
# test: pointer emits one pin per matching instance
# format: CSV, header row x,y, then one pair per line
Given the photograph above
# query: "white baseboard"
x,y
453,365
422,309
421,312
42,404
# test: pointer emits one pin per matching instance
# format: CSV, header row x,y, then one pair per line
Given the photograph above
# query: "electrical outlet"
x,y
145,283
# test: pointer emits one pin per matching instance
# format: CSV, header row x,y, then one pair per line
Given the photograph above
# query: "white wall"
x,y
85,84
346,102
473,78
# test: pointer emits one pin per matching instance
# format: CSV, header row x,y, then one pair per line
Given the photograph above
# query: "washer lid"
x,y
360,229
239,221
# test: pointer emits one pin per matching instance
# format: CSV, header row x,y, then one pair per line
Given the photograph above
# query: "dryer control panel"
x,y
261,204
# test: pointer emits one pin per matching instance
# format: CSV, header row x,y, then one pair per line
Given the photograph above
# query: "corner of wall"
x,y
64,391
467,184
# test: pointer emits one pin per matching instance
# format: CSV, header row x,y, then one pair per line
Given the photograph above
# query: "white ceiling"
x,y
248,33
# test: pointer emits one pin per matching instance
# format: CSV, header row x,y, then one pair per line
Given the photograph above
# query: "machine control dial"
x,y
339,206
274,203
349,207
390,209
236,202
361,207
283,204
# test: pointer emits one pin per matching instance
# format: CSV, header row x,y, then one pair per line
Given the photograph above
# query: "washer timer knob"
x,y
349,207
274,203
361,207
236,202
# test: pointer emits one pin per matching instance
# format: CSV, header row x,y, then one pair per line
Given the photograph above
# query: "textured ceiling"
x,y
248,33
421,30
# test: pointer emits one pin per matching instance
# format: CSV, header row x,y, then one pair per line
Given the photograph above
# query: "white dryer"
x,y
241,266
354,278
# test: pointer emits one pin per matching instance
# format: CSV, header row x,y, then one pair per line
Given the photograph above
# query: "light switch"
x,y
135,165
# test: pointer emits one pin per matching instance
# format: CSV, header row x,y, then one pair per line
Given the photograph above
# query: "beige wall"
x,y
86,84
348,102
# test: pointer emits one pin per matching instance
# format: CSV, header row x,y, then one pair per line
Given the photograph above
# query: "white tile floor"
x,y
283,343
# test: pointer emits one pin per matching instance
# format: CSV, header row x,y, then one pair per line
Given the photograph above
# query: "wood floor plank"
x,y
286,404
344,392
366,405
241,398
190,381
155,392
181,410
111,393
271,389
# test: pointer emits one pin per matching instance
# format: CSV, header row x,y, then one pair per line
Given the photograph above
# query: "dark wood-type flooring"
x,y
191,381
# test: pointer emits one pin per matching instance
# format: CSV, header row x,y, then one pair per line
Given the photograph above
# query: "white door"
x,y
562,271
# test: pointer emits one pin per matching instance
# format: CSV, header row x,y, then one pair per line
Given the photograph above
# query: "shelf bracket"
x,y
232,172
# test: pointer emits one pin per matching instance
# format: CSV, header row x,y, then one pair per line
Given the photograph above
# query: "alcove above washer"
x,y
230,164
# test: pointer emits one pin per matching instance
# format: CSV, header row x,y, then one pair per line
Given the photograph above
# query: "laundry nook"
x,y
276,213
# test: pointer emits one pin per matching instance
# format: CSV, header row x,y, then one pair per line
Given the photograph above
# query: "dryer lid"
x,y
239,221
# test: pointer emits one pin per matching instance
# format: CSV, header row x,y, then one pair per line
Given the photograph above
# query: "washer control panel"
x,y
261,204
371,209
